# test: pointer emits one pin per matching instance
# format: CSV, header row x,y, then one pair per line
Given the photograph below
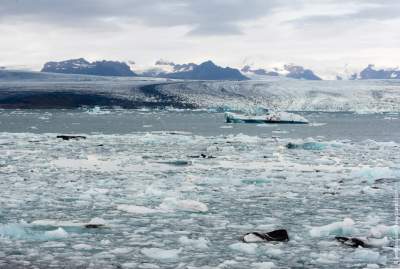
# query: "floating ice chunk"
x,y
121,250
381,231
82,247
370,191
371,174
96,110
97,221
245,248
345,227
200,243
185,205
273,251
328,258
369,256
17,231
252,238
56,223
55,234
263,265
255,181
177,162
372,266
161,254
306,146
378,242
53,245
135,209
129,265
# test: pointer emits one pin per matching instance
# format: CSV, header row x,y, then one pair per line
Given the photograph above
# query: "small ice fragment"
x,y
341,228
263,265
328,258
97,222
367,255
252,238
372,266
382,230
200,243
306,146
161,254
185,205
242,247
129,265
135,209
121,250
59,233
82,247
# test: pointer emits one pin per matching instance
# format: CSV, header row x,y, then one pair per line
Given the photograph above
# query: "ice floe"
x,y
341,228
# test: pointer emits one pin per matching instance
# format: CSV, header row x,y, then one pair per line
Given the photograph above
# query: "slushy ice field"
x,y
179,189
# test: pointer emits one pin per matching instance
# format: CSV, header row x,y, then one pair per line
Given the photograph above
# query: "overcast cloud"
x,y
320,34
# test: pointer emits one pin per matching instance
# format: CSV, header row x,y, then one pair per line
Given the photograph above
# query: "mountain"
x,y
81,66
259,71
299,72
371,73
208,71
191,71
289,70
162,68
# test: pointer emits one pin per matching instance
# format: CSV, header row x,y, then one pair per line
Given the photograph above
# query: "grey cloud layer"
x,y
378,10
203,17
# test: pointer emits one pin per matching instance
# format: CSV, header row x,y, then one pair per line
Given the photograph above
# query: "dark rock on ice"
x,y
291,145
306,146
386,180
277,235
204,156
178,162
93,226
351,241
69,137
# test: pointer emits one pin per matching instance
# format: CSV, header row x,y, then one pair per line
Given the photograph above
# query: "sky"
x,y
324,35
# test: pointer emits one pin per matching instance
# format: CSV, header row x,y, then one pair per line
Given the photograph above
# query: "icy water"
x,y
162,204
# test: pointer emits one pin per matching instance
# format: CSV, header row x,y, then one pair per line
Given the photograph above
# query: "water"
x,y
380,127
141,175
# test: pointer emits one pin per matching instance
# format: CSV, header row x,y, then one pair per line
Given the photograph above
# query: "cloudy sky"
x,y
325,35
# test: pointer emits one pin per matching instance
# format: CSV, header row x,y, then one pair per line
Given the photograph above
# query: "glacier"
x,y
44,90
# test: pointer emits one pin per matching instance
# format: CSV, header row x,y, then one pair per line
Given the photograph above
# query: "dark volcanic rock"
x,y
351,242
69,137
277,235
83,67
94,226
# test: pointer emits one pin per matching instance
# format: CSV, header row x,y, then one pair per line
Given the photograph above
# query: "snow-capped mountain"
x,y
162,68
82,66
288,70
204,71
370,72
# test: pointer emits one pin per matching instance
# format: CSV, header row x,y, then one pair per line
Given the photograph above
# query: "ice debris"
x,y
161,254
341,228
